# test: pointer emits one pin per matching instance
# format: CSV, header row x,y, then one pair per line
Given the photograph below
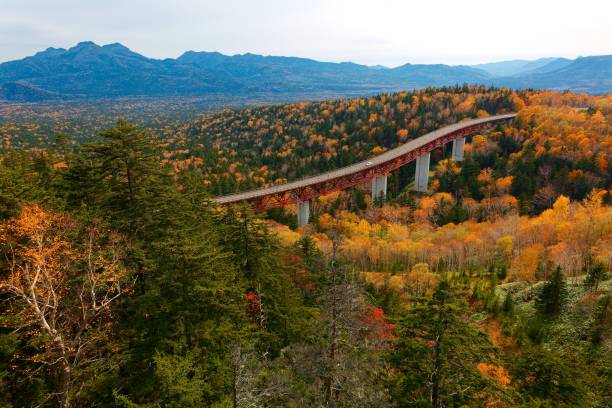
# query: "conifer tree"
x,y
280,312
436,353
189,319
552,296
596,274
129,181
601,318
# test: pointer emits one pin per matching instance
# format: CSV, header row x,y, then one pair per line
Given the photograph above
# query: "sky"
x,y
385,32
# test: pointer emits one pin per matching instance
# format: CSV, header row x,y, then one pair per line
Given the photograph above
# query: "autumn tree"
x,y
62,281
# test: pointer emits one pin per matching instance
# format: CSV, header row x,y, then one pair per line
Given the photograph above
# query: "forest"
x,y
124,285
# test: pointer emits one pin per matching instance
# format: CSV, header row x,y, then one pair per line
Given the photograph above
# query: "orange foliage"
x,y
496,373
565,235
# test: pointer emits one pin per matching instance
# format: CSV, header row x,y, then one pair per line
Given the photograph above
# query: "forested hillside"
x,y
241,149
122,284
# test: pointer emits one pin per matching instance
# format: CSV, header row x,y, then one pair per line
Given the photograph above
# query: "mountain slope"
x,y
553,65
88,70
512,67
112,70
585,74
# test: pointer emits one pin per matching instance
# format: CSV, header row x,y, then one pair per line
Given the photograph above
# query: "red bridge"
x,y
375,169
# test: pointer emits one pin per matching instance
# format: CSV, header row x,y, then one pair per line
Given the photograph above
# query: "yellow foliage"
x,y
505,244
285,234
402,134
523,267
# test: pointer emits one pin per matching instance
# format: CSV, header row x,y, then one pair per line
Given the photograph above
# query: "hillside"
x,y
124,285
513,67
88,70
585,74
242,149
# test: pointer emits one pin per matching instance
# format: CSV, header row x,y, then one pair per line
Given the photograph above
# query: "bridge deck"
x,y
388,156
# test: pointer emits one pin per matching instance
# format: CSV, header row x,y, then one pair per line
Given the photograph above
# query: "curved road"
x,y
311,187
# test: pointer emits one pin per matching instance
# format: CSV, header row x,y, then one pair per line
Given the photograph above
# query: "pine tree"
x,y
552,296
436,354
596,274
189,318
508,305
129,180
281,314
502,273
551,376
601,318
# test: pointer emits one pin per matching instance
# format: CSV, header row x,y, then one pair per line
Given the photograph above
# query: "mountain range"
x,y
88,70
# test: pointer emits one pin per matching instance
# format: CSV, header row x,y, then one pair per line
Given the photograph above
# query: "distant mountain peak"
x,y
116,46
192,52
50,52
86,44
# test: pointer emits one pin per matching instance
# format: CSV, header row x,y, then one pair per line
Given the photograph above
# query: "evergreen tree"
x,y
596,274
552,296
547,375
469,177
436,354
502,272
279,312
507,306
601,319
189,318
129,180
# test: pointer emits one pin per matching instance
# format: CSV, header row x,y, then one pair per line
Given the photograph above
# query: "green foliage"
x,y
553,294
126,174
279,311
8,346
595,274
437,352
507,305
546,374
601,318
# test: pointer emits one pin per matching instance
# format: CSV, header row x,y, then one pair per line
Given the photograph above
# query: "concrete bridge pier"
x,y
303,212
458,145
379,188
421,177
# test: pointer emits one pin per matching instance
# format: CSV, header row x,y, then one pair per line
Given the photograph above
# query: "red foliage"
x,y
302,280
374,318
253,306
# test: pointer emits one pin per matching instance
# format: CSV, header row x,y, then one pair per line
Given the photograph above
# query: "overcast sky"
x,y
387,32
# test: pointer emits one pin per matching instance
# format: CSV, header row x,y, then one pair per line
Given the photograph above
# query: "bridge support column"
x,y
379,188
303,212
422,173
458,149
